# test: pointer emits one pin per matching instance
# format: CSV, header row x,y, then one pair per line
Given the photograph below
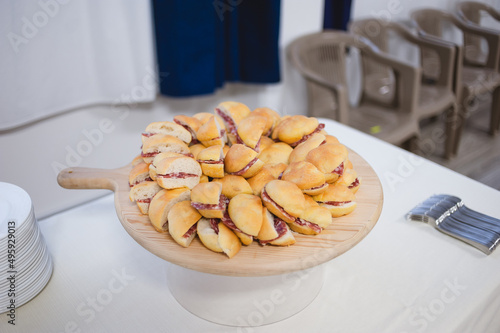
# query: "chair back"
x,y
323,53
379,83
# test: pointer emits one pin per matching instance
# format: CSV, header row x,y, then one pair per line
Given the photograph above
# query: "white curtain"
x,y
58,55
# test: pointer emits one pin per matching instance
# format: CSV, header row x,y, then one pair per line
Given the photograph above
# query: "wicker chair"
x,y
321,60
474,78
437,90
470,12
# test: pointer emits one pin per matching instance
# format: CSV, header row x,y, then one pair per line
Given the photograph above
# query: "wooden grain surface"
x,y
252,260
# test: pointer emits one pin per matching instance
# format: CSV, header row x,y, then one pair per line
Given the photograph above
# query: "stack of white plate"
x,y
25,263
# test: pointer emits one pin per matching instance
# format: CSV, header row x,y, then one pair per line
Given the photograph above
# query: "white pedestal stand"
x,y
244,301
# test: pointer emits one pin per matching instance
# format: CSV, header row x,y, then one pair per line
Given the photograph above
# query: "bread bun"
x,y
274,231
211,160
228,241
246,212
160,206
191,124
231,114
278,152
312,220
142,194
306,176
272,117
157,159
300,152
233,185
138,174
159,143
209,200
212,133
250,130
265,142
217,237
298,128
283,199
350,179
208,235
195,149
182,220
331,139
176,172
242,161
203,117
329,158
138,159
167,128
265,175
281,122
338,199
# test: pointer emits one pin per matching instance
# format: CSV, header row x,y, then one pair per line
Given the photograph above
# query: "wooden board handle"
x,y
89,178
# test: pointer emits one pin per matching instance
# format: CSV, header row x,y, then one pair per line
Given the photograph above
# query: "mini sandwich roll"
x,y
283,199
209,200
298,129
278,152
211,160
176,172
195,149
265,142
329,158
217,237
212,133
138,159
159,143
281,122
272,117
231,114
310,201
161,204
233,185
138,174
249,131
312,220
265,175
242,161
306,176
203,117
167,128
182,219
338,199
143,193
350,179
274,231
157,159
300,152
246,212
191,124
331,139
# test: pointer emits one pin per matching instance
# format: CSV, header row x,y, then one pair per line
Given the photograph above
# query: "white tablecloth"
x,y
403,277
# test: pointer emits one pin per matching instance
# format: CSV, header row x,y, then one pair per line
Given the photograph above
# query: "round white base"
x,y
244,301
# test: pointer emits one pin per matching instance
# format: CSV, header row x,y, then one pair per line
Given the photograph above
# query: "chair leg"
x,y
450,128
495,112
460,122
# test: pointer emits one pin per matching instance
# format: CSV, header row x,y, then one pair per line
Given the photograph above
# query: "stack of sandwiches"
x,y
239,176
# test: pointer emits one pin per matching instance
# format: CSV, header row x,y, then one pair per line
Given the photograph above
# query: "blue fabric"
x,y
337,14
201,44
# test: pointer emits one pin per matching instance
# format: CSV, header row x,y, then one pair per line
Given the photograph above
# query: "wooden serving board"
x,y
252,260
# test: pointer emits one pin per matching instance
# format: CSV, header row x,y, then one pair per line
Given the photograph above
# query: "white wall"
x,y
109,136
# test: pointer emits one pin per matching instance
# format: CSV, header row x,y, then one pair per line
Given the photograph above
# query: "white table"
x,y
403,277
